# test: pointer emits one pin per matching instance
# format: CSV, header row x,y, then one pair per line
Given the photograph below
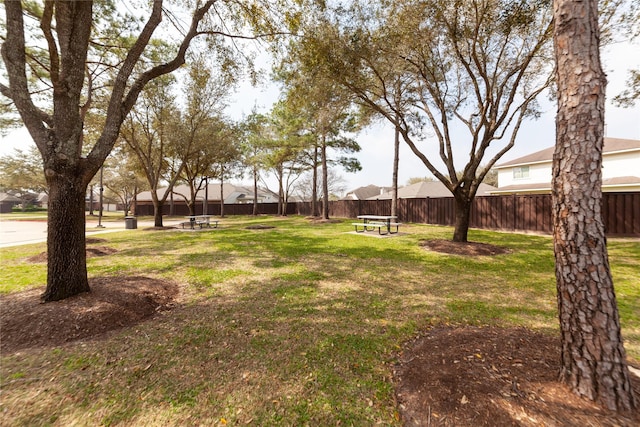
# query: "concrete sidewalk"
x,y
15,233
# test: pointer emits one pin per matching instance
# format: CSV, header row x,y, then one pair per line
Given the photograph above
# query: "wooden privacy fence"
x,y
523,213
146,208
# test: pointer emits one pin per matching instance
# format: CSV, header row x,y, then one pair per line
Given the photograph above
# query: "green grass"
x,y
295,325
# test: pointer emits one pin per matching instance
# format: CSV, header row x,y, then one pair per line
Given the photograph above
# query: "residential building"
x,y
531,174
7,202
232,194
431,189
363,193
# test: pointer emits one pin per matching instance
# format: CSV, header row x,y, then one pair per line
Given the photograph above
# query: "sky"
x,y
376,156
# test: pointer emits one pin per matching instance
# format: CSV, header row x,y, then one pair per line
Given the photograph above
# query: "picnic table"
x,y
371,222
201,221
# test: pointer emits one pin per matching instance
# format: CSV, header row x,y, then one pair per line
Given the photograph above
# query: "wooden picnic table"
x,y
377,221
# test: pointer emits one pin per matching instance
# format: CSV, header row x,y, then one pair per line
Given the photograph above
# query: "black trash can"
x,y
130,222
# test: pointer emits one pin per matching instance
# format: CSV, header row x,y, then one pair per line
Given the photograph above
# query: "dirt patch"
x,y
260,227
463,248
113,303
95,240
491,377
93,251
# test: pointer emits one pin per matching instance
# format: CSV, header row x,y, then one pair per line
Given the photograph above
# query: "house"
x,y
232,194
531,174
431,189
7,202
363,193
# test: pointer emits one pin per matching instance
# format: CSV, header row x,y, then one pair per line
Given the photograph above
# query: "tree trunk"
x,y
593,361
396,161
325,180
157,213
66,256
255,192
462,215
314,185
221,196
280,191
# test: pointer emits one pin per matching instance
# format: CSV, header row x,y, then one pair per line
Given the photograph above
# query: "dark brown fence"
x,y
523,213
214,209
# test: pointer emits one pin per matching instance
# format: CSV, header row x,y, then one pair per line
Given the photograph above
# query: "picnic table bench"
x,y
201,221
371,222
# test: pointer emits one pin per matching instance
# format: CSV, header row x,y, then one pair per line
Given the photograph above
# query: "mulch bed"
x,y
488,376
113,303
463,248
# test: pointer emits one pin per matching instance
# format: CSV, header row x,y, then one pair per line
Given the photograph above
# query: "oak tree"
x,y
69,59
471,71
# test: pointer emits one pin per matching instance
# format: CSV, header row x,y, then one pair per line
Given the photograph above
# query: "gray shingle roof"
x,y
611,145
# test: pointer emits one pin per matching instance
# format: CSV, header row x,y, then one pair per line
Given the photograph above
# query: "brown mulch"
x,y
113,303
463,248
92,251
449,376
488,376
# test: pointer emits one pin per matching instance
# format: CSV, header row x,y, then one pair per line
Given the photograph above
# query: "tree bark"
x,y
396,161
158,204
222,195
325,179
314,185
462,216
255,192
593,360
66,258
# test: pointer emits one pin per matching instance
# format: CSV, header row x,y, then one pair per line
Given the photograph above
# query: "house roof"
x,y
611,145
363,193
620,181
424,189
5,197
213,192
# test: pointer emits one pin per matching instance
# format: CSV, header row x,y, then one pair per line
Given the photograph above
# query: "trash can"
x,y
130,222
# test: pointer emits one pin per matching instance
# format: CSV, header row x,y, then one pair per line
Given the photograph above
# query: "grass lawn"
x,y
294,325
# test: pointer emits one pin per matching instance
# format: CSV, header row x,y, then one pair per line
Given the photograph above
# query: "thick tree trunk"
x,y
157,213
66,256
463,212
593,356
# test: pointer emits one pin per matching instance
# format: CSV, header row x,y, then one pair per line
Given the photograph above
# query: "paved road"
x,y
15,233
